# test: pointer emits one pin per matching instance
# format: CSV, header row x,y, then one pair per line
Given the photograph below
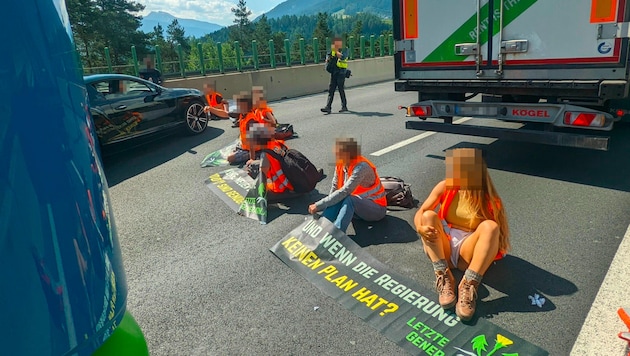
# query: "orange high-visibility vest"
x,y
213,101
262,112
445,202
242,126
277,181
375,192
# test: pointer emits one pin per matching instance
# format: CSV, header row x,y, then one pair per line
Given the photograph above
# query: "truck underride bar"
x,y
543,137
607,89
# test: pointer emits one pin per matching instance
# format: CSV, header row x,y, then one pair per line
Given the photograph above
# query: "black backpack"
x,y
284,132
398,192
331,65
301,172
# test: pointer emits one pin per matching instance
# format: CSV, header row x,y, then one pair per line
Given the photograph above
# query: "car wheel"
x,y
196,118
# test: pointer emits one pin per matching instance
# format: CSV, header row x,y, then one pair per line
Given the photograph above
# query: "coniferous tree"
x,y
106,23
82,19
176,35
322,31
278,42
242,29
262,35
120,28
156,38
356,32
157,35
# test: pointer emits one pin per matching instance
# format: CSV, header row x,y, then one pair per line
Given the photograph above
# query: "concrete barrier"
x,y
290,82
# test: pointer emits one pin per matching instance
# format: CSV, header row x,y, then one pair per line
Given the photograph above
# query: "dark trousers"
x,y
337,81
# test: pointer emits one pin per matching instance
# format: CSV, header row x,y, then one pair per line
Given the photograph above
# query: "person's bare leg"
x,y
437,249
480,248
476,255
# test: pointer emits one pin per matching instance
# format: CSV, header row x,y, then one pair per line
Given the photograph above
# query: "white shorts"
x,y
457,239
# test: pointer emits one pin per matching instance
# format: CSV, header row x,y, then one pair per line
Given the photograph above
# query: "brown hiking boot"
x,y
445,286
465,308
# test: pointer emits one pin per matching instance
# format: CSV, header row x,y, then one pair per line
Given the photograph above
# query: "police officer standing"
x,y
337,65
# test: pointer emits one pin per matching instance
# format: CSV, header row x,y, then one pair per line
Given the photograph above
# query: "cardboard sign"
x,y
396,306
242,193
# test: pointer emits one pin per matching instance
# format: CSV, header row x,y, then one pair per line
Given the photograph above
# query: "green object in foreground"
x,y
127,340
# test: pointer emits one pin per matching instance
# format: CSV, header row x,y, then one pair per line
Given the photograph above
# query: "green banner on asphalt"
x,y
242,193
219,158
467,32
396,306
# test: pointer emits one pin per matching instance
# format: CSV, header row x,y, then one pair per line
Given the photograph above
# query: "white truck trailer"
x,y
558,66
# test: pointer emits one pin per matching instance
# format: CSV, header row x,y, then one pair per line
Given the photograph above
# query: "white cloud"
x,y
215,11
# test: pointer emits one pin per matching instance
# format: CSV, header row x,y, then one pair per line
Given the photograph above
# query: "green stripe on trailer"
x,y
467,33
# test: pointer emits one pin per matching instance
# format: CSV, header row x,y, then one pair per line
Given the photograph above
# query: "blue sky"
x,y
215,11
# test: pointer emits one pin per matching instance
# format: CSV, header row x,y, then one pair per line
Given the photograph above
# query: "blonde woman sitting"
x,y
463,225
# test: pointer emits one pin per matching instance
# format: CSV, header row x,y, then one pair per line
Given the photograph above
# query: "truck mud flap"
x,y
543,137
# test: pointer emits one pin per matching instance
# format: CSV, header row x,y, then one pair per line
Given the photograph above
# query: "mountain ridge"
x,y
191,27
382,8
199,28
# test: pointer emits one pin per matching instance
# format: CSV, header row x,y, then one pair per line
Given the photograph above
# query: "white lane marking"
x,y
598,335
413,139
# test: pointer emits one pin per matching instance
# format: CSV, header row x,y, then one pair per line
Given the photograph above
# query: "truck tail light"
x,y
588,119
421,110
621,112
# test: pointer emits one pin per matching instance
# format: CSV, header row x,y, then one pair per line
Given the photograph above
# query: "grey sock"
x,y
440,266
471,275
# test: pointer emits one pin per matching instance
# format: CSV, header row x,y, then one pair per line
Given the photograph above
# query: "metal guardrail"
x,y
183,67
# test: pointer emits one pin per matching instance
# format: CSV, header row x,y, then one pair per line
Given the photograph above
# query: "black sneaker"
x,y
344,109
326,110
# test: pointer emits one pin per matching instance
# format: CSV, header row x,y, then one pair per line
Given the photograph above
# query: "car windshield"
x,y
119,88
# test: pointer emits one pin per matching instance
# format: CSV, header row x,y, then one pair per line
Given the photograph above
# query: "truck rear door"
x,y
511,39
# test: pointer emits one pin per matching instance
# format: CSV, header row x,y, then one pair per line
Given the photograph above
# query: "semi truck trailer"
x,y
557,67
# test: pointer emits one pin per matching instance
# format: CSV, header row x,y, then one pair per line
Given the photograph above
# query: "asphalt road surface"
x,y
203,282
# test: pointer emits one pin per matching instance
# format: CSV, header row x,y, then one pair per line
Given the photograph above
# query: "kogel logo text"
x,y
530,113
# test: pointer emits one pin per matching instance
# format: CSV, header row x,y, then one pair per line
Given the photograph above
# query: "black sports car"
x,y
124,107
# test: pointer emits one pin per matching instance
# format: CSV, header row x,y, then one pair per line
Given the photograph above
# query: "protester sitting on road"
x,y
356,188
264,112
246,116
468,231
217,105
260,138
